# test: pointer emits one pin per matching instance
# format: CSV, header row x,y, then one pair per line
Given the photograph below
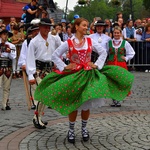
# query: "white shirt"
x,y
102,39
128,49
56,56
37,50
12,54
23,53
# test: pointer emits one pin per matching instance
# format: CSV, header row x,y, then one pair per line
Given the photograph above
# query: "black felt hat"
x,y
32,28
100,23
45,22
10,34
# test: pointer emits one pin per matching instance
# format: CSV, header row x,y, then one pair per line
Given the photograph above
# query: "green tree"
x,y
96,8
136,9
105,9
146,4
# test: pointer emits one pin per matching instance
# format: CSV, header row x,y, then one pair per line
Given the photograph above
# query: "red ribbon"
x,y
78,67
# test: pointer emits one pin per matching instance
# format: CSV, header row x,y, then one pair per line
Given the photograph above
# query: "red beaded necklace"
x,y
78,45
117,43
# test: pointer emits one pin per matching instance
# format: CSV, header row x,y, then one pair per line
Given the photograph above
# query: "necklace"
x,y
116,44
80,44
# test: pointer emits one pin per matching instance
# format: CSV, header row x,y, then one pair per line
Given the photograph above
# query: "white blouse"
x,y
56,56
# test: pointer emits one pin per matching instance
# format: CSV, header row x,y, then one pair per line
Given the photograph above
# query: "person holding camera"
x,y
7,54
32,11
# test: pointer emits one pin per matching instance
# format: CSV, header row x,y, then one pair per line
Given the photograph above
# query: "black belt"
x,y
44,65
5,62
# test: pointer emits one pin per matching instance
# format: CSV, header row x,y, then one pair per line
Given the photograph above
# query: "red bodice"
x,y
80,57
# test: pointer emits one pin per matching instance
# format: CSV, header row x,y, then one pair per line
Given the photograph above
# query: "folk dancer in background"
x,y
39,64
32,31
7,54
119,53
100,37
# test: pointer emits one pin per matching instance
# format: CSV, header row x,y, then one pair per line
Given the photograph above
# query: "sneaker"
x,y
146,70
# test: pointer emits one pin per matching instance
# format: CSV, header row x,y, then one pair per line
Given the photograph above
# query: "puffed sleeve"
x,y
56,56
129,51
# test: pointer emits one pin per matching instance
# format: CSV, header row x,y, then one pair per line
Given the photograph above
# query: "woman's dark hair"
x,y
16,27
115,24
67,27
128,21
118,13
77,22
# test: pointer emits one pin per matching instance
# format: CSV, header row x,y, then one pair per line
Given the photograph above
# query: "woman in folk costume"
x,y
81,85
119,53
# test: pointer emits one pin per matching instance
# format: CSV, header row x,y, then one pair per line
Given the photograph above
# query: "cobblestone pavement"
x,y
124,128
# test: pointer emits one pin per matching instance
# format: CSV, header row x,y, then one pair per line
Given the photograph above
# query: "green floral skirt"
x,y
67,92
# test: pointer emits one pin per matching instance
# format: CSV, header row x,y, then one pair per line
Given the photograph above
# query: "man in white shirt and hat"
x,y
38,62
7,54
32,31
100,37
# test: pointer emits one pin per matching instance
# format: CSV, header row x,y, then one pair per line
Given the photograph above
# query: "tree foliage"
x,y
106,9
97,8
146,4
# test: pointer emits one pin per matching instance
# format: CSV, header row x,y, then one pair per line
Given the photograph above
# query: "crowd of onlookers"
x,y
138,30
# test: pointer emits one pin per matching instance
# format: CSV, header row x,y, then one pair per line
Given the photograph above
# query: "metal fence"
x,y
142,54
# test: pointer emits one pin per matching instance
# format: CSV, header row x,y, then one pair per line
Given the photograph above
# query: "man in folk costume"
x,y
38,62
32,31
7,54
100,37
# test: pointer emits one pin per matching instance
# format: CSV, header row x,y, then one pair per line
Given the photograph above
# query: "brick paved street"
x,y
124,128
